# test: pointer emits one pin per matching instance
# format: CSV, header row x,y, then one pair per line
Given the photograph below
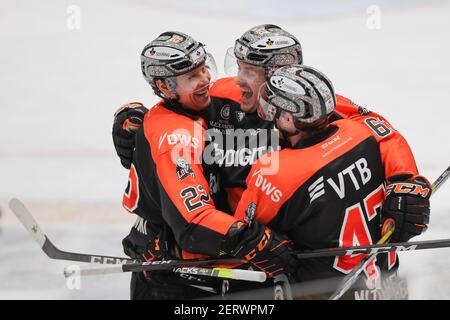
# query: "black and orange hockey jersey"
x,y
225,115
170,185
173,128
328,190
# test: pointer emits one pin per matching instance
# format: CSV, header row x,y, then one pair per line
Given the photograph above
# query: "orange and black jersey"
x,y
174,127
258,136
243,137
169,185
328,191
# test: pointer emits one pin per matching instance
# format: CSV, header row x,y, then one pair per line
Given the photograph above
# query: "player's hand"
x,y
263,249
148,248
407,203
127,120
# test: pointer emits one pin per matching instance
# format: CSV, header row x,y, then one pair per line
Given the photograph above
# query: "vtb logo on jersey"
x,y
316,189
359,168
183,168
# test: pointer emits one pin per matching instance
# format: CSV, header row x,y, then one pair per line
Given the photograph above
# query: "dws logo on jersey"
x,y
179,138
317,188
267,187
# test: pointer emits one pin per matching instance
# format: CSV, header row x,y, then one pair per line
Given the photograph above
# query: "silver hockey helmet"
x,y
267,45
303,91
172,54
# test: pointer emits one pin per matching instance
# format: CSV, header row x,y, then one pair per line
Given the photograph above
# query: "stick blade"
x,y
25,217
92,270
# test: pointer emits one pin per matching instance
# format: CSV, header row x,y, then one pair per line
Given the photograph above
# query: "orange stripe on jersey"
x,y
226,88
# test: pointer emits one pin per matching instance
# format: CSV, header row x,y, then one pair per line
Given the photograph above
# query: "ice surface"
x,y
60,87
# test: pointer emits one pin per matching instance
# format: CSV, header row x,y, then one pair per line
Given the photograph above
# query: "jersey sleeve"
x,y
396,154
187,206
258,205
234,196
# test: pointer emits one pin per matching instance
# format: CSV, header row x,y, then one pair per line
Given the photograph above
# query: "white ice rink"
x,y
60,85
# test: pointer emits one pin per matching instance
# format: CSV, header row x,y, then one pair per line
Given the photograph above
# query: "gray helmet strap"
x,y
171,84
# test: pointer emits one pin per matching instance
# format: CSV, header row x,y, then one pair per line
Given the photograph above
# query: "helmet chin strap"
x,y
172,86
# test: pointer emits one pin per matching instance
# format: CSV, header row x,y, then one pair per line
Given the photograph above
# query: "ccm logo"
x,y
407,188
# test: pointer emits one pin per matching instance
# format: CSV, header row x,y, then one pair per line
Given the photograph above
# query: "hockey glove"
x,y
407,203
149,246
127,120
262,248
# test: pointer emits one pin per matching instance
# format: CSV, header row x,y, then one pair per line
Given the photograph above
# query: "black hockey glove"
x,y
150,246
262,248
127,119
407,203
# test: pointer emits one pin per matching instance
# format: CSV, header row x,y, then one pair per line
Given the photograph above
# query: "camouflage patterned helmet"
x,y
170,55
268,46
303,91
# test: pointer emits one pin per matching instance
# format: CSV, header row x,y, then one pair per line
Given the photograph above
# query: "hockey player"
x,y
330,187
169,186
256,54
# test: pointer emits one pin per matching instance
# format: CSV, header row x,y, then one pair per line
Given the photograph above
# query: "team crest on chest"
x,y
225,112
240,115
183,168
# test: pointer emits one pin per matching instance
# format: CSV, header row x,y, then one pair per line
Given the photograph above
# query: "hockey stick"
x,y
225,273
349,280
319,253
441,179
346,284
54,253
24,215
